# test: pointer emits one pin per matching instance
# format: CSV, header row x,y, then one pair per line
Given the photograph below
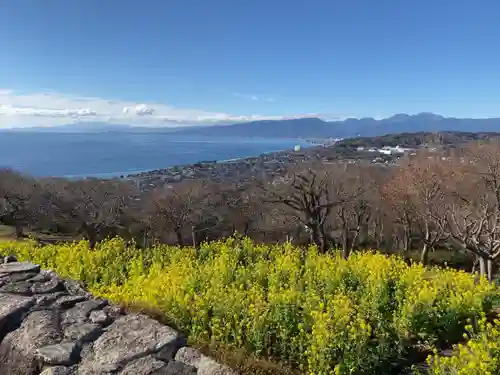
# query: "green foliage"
x,y
479,355
319,313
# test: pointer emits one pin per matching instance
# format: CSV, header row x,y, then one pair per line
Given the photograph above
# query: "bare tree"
x,y
172,209
309,194
474,215
20,199
401,206
353,186
95,207
420,185
241,207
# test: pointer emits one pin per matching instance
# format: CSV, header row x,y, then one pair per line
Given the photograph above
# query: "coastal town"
x,y
271,164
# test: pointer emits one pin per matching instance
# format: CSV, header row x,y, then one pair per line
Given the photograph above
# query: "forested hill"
x,y
418,139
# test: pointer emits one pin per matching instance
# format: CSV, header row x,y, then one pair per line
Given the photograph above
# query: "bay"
x,y
76,155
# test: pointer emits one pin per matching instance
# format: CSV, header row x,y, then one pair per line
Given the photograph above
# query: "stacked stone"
x,y
52,326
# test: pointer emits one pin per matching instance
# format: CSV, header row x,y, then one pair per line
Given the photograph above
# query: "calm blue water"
x,y
110,154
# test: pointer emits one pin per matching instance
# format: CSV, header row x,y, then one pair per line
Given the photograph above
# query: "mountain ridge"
x,y
309,127
351,127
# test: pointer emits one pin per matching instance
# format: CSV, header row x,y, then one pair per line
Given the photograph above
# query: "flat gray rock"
x,y
167,353
80,312
11,309
50,299
130,337
87,307
82,333
22,288
59,354
57,370
143,366
203,364
50,286
67,302
16,267
99,317
176,368
19,276
113,311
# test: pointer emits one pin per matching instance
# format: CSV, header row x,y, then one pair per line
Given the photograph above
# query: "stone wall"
x,y
51,326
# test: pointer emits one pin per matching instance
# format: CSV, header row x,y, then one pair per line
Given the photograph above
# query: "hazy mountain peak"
x,y
430,116
399,117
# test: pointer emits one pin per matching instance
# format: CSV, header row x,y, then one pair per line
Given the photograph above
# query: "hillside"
x,y
417,139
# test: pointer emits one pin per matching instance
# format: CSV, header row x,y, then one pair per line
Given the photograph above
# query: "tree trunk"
x,y
246,229
193,236
91,235
407,240
345,242
355,239
482,266
489,266
178,234
317,237
19,232
424,256
474,265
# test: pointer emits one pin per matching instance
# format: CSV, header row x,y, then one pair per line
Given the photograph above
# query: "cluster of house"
x,y
387,150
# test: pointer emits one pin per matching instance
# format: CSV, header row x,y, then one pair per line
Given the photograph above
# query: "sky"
x,y
189,62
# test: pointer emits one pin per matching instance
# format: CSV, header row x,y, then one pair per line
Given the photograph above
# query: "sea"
x,y
113,154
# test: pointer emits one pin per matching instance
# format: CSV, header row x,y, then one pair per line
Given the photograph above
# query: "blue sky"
x,y
195,61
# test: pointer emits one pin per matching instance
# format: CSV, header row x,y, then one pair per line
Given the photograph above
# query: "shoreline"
x,y
235,170
140,173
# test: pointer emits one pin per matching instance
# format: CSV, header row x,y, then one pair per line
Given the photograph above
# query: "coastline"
x,y
235,170
141,173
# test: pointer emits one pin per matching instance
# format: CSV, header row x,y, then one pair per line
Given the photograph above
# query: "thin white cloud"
x,y
256,98
139,110
52,109
44,112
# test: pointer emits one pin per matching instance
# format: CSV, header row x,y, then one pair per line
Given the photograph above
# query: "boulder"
x,y
59,354
10,259
82,333
128,338
57,370
22,288
18,349
12,309
176,368
143,366
50,286
16,267
80,312
99,317
203,364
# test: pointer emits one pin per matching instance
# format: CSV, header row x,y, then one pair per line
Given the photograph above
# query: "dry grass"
x,y
8,233
243,362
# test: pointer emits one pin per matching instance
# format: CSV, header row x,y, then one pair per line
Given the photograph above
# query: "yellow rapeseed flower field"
x,y
319,313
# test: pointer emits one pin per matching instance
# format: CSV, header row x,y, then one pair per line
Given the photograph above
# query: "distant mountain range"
x,y
308,127
352,127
